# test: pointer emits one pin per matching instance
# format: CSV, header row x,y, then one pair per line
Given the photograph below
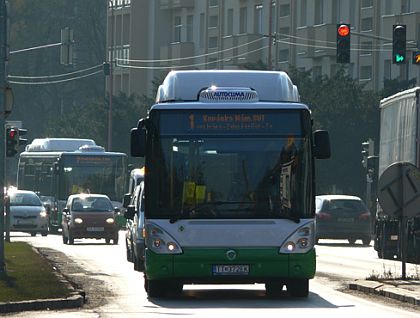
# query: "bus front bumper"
x,y
250,265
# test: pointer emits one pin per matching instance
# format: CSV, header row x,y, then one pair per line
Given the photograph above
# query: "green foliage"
x,y
28,276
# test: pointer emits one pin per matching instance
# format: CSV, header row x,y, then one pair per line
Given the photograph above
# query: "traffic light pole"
x,y
3,82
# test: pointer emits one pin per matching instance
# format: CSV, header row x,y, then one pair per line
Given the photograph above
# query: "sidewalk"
x,y
402,290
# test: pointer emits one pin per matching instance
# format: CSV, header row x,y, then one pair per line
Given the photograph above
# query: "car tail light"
x,y
364,216
323,216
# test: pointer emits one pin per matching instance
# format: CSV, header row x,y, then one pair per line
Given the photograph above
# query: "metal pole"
x,y
270,34
111,76
403,228
3,59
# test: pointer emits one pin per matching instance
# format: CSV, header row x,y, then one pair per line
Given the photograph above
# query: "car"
x,y
342,217
135,222
89,216
27,213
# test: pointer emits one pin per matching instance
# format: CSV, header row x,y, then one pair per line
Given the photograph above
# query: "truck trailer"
x,y
399,142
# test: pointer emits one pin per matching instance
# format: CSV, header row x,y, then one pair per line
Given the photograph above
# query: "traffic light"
x,y
12,137
343,43
66,49
416,57
22,141
399,43
367,151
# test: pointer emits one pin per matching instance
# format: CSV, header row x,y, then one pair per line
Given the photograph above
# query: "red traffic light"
x,y
343,30
12,133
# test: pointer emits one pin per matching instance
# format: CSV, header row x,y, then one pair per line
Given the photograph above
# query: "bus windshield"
x,y
93,174
239,176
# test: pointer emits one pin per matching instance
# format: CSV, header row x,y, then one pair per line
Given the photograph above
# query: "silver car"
x,y
27,213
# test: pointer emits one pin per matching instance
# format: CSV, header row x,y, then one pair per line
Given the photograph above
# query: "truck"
x,y
399,142
229,182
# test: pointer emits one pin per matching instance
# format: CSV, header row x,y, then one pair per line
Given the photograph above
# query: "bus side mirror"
x,y
126,200
138,142
322,149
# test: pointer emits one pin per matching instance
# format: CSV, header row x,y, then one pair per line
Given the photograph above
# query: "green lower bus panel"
x,y
245,264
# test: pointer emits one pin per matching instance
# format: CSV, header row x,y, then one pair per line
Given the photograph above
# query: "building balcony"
x,y
175,4
176,51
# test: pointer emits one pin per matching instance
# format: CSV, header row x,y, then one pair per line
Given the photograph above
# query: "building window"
x,y
387,69
213,21
190,21
367,48
213,3
202,35
319,11
405,6
242,20
388,7
284,10
367,3
258,19
303,12
229,28
367,24
213,42
284,33
177,29
283,55
366,72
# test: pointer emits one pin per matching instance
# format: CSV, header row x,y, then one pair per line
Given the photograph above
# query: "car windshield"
x,y
92,204
24,199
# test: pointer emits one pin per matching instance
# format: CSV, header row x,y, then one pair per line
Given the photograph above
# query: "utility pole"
x,y
3,85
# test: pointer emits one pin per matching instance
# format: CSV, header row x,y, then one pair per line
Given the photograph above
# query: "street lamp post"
x,y
111,75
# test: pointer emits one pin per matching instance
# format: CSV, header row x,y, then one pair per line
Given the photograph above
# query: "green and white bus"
x,y
57,167
229,182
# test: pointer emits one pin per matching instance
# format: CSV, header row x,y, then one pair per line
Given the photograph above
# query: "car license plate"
x,y
230,269
95,229
346,220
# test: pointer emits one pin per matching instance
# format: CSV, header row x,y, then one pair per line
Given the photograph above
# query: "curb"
x,y
386,290
76,299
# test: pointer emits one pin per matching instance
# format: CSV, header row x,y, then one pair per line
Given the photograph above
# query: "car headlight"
x,y
159,241
110,220
78,221
43,214
301,241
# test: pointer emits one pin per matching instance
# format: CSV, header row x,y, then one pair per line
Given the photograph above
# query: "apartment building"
x,y
148,38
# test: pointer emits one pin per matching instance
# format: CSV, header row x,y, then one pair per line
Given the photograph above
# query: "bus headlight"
x,y
160,242
301,241
78,221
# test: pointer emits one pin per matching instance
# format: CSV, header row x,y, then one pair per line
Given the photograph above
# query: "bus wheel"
x,y
352,241
273,288
156,288
298,287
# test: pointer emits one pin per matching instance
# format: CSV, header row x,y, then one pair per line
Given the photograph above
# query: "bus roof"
x,y
58,144
271,86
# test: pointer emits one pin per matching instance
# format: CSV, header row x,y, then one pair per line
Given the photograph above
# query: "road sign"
x,y
399,190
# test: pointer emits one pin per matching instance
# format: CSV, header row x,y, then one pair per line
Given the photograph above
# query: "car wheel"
x,y
44,233
115,240
298,287
108,241
352,241
366,241
273,288
71,240
33,233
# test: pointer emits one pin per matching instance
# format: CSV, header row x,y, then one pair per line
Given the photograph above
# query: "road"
x,y
107,266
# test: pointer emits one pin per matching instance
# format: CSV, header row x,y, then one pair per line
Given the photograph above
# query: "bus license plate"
x,y
230,269
95,229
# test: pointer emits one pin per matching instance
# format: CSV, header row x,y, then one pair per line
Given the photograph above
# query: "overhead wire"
x,y
56,75
56,81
